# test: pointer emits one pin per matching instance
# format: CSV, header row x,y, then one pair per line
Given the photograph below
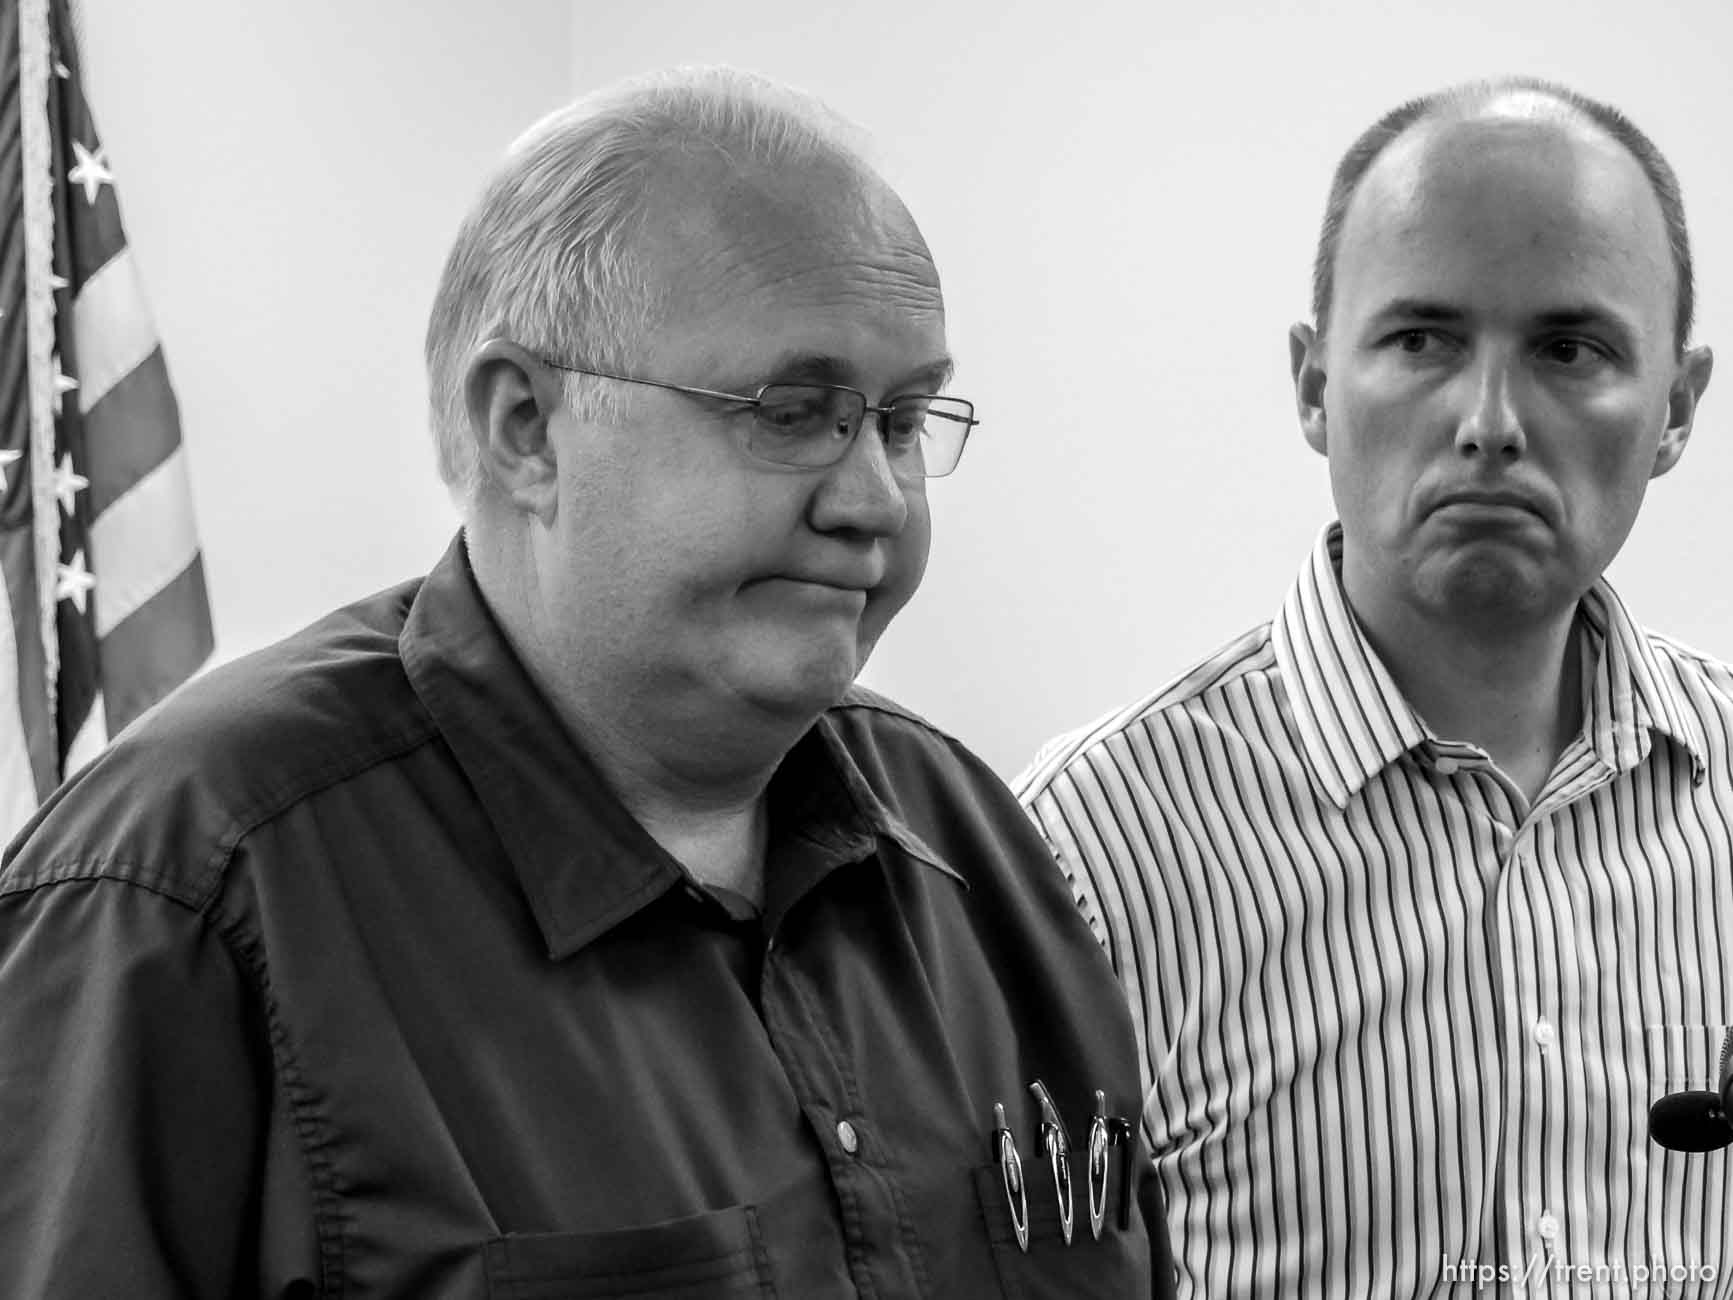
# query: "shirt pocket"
x,y
1687,1192
1684,1057
1116,1265
714,1256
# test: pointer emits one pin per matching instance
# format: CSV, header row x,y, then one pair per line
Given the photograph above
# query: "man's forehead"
x,y
1521,168
731,242
704,207
1500,144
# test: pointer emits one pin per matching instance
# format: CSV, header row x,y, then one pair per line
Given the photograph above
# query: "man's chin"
x,y
1493,583
795,687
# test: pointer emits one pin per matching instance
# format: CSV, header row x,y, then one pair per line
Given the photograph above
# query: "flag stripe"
x,y
142,543
22,682
131,432
23,777
18,791
113,328
91,737
157,648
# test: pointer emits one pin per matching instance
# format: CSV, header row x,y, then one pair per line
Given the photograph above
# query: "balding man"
x,y
564,923
1422,891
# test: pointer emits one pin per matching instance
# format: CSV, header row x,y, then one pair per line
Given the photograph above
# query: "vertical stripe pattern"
x,y
105,596
1401,1039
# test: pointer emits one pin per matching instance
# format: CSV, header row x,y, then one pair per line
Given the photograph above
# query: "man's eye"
x,y
1412,341
906,424
797,418
1576,354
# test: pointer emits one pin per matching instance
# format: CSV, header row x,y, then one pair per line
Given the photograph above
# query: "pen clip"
x,y
1057,1145
1011,1174
1098,1143
1119,1133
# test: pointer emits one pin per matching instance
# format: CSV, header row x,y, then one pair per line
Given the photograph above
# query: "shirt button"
x,y
1547,1227
1544,1033
1447,766
846,1135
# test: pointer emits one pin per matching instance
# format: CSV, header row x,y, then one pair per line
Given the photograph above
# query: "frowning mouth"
x,y
1489,504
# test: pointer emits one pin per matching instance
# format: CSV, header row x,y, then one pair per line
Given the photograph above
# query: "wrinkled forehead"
x,y
717,231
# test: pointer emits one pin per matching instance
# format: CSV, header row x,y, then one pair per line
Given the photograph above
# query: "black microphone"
x,y
1698,1120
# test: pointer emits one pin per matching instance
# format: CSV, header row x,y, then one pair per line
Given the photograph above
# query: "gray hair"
x,y
549,254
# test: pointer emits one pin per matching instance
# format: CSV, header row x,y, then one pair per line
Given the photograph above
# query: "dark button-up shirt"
x,y
345,975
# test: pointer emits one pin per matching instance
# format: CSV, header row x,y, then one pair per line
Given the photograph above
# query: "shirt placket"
x,y
1530,1041
860,1168
1527,1229
1540,1227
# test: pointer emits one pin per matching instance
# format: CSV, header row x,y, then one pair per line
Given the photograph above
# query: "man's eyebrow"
x,y
1568,316
1422,309
929,378
1578,315
816,367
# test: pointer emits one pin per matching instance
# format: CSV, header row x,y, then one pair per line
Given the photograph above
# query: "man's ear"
x,y
1306,365
1682,399
511,395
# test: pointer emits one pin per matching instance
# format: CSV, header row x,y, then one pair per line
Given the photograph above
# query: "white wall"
x,y
1122,197
290,177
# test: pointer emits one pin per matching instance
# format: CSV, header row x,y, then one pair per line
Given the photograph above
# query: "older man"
x,y
1422,892
562,923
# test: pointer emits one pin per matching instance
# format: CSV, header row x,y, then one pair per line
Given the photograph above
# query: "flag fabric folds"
x,y
104,603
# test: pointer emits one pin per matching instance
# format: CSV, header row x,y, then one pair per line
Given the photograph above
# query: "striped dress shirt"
x,y
1401,1030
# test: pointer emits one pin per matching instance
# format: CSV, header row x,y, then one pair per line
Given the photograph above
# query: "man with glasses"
x,y
1422,891
566,922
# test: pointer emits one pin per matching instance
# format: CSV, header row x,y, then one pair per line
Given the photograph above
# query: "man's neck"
x,y
690,768
704,801
1513,691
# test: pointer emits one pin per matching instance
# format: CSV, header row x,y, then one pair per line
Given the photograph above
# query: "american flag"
x,y
105,604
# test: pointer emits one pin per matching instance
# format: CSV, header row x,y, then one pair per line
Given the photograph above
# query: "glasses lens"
x,y
925,435
805,424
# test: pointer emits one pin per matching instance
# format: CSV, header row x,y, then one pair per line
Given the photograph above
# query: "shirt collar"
x,y
1632,695
583,861
1354,722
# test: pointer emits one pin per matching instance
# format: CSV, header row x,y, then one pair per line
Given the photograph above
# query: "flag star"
x,y
61,70
57,282
74,581
7,458
63,384
90,171
68,483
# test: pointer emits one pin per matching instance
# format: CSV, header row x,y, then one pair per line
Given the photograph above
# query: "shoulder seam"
x,y
1231,661
244,823
89,870
204,882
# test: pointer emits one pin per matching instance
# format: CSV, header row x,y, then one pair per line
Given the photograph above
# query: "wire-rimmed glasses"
x,y
812,426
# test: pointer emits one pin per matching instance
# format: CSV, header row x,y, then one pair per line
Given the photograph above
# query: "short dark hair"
x,y
1386,130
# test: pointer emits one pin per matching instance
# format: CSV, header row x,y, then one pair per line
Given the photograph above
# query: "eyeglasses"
x,y
812,426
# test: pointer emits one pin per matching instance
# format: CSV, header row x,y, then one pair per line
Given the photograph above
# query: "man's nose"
x,y
1491,424
861,493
